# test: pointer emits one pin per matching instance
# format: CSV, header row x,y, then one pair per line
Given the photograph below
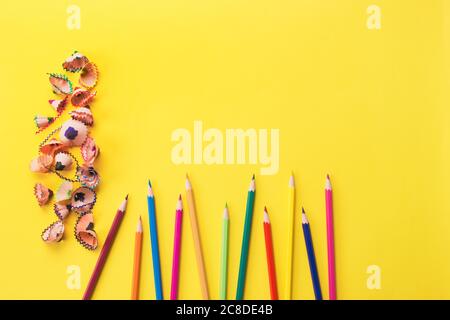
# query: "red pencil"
x,y
105,250
270,258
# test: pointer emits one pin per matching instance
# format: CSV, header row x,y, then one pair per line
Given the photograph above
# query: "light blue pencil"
x,y
154,242
311,256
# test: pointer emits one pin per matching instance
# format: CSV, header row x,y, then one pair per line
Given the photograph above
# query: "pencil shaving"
x,y
82,97
87,176
89,151
60,84
83,114
75,62
62,210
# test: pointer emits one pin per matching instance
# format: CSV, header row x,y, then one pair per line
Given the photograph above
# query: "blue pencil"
x,y
154,242
311,256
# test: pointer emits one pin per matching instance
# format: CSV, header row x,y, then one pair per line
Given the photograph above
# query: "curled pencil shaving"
x,y
63,161
55,154
73,133
51,147
82,97
89,75
60,84
83,200
88,176
75,62
61,210
41,163
59,105
64,193
84,231
89,151
83,114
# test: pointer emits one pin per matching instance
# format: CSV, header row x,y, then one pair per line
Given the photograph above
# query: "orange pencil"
x,y
270,257
137,261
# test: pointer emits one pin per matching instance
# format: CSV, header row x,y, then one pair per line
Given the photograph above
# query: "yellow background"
x,y
369,107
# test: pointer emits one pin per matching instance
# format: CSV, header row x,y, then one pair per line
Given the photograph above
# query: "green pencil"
x,y
224,258
246,240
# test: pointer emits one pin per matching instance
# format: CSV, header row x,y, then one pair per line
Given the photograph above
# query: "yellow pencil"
x,y
290,238
196,238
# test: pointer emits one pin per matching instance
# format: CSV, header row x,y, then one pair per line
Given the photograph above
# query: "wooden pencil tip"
x,y
303,210
179,196
149,183
328,176
253,177
126,198
226,205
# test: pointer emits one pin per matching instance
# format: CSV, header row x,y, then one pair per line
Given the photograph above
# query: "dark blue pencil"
x,y
154,242
311,256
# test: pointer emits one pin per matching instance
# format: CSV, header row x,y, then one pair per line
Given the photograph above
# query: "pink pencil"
x,y
330,240
176,250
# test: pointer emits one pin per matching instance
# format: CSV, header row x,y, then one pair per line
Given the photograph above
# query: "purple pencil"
x,y
105,250
176,250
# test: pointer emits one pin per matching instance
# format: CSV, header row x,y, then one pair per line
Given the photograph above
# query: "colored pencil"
x,y
246,240
224,257
270,258
154,242
105,250
290,238
137,261
196,238
176,250
330,240
311,256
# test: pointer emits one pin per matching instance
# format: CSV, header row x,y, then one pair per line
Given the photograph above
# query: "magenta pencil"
x,y
176,250
330,240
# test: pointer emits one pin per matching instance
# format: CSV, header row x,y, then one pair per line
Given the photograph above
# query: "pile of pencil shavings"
x,y
56,152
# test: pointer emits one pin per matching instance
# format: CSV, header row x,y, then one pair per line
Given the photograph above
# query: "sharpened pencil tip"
x,y
253,177
126,198
266,216
226,205
179,196
303,210
328,176
149,183
139,225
